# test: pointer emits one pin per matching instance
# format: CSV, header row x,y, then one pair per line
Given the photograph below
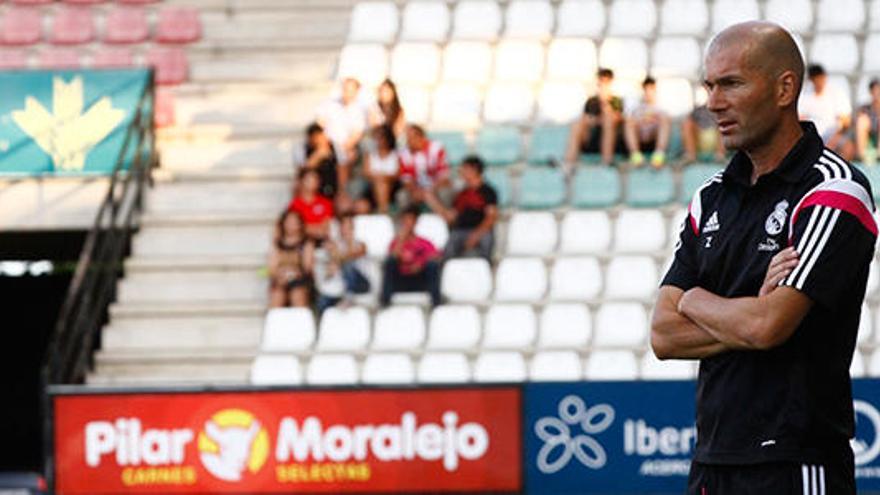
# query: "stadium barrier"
x,y
553,438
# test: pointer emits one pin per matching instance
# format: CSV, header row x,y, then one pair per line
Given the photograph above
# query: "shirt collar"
x,y
797,162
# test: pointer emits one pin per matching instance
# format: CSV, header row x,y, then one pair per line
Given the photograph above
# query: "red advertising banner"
x,y
382,441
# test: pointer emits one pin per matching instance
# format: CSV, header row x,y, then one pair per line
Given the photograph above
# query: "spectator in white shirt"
x,y
344,119
829,109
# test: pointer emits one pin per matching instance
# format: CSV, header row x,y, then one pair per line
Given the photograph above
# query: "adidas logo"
x,y
712,224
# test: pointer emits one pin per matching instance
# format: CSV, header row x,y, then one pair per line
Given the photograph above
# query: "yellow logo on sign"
x,y
233,441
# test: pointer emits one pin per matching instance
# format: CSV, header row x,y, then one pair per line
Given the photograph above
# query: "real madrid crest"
x,y
776,221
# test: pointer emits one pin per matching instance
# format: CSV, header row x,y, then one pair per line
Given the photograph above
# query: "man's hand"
x,y
780,267
472,240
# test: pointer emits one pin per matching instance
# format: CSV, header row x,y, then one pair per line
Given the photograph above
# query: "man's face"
x,y
650,91
875,92
350,90
741,98
605,86
414,140
407,224
469,175
819,83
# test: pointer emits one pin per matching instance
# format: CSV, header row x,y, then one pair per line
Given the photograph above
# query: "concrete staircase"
x,y
190,308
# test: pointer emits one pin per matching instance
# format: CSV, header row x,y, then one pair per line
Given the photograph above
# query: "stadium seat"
x,y
874,15
499,145
794,15
432,227
596,187
564,326
845,16
542,188
31,2
631,277
519,61
137,2
580,18
575,279
508,103
373,22
547,145
611,365
388,369
500,366
585,232
500,180
555,366
58,58
456,106
454,143
376,231
13,58
454,326
874,365
344,329
729,12
466,280
857,367
639,231
171,64
368,63
671,369
510,326
425,21
398,328
415,63
21,26
532,234
72,26
676,56
373,271
632,18
871,59
164,115
178,25
627,57
529,19
561,102
332,369
126,25
675,95
467,62
684,17
288,329
520,280
693,177
443,367
650,188
865,326
838,53
477,20
571,59
623,324
417,102
276,370
83,2
676,222
107,57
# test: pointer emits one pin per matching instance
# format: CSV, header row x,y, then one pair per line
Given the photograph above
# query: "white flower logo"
x,y
556,435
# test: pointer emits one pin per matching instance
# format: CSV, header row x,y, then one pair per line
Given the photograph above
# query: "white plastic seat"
x,y
344,329
288,329
509,103
571,59
838,53
388,369
510,326
675,96
372,270
425,21
528,19
332,369
671,369
689,17
857,367
373,21
467,62
622,324
415,63
632,18
443,367
555,366
477,19
417,102
366,62
376,231
520,280
466,280
611,365
676,222
871,55
631,277
432,227
676,56
584,18
499,366
521,61
728,12
456,106
639,231
627,57
583,232
865,326
561,102
874,15
276,370
398,328
845,16
564,326
454,326
575,279
794,15
532,233
874,365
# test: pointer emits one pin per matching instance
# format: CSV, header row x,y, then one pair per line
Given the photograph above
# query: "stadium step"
x,y
249,109
239,157
245,285
203,240
219,197
301,67
183,309
199,332
195,263
126,368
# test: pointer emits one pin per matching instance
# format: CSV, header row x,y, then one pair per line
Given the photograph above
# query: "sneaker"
x,y
658,158
636,158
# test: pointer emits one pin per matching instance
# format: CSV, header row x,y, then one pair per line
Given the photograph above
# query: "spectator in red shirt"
x,y
423,168
315,210
413,263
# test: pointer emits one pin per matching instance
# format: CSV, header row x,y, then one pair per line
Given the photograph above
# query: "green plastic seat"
x,y
596,158
499,179
596,187
499,145
454,143
693,177
676,147
548,145
541,188
872,172
647,187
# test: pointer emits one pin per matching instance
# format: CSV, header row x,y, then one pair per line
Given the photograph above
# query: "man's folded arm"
x,y
675,336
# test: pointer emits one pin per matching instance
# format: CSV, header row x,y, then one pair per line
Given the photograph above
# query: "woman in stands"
x,y
381,167
388,109
290,263
320,156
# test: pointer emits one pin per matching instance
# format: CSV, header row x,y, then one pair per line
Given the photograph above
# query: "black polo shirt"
x,y
792,402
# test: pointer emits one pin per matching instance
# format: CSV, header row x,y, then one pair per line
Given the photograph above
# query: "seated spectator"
x,y
344,119
473,214
320,156
381,167
700,136
387,109
647,128
598,130
868,126
315,210
423,168
829,109
339,273
290,263
413,263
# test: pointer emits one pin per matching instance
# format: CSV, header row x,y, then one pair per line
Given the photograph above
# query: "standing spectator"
x,y
290,263
647,128
473,214
868,125
339,273
344,120
700,137
320,156
315,210
388,109
598,129
829,109
413,262
381,166
423,168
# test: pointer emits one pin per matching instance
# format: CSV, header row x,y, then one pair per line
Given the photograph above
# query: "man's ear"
x,y
787,89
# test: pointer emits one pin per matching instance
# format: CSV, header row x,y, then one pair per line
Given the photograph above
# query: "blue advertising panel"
x,y
66,122
866,444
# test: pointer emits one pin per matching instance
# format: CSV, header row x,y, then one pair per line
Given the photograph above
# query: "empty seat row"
x,y
170,63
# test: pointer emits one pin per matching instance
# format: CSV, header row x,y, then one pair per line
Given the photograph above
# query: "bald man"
x,y
767,283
